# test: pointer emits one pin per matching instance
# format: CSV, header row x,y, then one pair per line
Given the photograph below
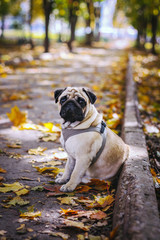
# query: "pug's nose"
x,y
67,111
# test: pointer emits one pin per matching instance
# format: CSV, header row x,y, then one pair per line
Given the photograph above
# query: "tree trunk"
x,y
89,31
72,21
2,26
30,24
138,45
154,22
47,4
46,41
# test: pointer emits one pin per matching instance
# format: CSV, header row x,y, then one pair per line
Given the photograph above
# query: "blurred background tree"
x,y
77,18
8,7
144,15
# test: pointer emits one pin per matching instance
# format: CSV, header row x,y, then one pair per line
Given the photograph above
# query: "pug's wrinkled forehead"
x,y
74,93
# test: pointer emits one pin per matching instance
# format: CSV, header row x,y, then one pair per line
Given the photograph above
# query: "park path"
x,y
28,80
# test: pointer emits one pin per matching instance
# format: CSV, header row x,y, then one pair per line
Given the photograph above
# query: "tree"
x,y
89,22
8,7
73,7
30,22
48,7
144,16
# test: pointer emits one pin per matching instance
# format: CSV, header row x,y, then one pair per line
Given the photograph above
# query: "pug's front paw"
x,y
67,188
61,180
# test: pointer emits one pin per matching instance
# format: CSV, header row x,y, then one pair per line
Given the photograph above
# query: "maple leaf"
x,y
37,151
17,117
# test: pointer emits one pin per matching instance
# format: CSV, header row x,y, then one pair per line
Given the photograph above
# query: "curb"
x,y
136,211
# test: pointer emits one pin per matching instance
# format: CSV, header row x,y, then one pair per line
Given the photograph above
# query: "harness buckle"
x,y
103,126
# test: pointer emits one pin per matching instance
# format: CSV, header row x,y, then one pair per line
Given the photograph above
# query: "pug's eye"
x,y
81,101
63,99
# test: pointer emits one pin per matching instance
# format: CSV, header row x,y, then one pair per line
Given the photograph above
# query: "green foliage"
x,y
9,7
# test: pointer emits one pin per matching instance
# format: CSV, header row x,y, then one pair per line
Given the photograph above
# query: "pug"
x,y
94,151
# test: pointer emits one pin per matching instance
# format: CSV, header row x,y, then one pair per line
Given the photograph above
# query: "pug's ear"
x,y
57,93
92,97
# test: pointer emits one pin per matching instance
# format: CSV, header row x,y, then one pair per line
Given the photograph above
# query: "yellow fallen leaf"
x,y
52,163
23,191
51,127
50,137
31,126
113,123
22,226
15,155
44,169
37,151
14,145
11,187
15,187
18,96
153,172
80,225
2,170
68,212
30,230
68,200
18,200
31,215
104,201
96,87
16,116
52,170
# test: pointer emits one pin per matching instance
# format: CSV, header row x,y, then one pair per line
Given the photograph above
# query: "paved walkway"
x,y
29,83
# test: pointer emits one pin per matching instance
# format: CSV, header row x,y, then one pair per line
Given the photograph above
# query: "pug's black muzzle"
x,y
71,111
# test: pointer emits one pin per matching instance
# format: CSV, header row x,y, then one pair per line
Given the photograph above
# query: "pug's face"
x,y
73,103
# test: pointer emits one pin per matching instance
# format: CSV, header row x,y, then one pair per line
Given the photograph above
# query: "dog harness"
x,y
100,128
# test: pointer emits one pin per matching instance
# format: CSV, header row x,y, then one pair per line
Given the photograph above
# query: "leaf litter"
x,y
147,77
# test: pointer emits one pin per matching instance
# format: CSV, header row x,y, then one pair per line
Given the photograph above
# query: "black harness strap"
x,y
67,133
